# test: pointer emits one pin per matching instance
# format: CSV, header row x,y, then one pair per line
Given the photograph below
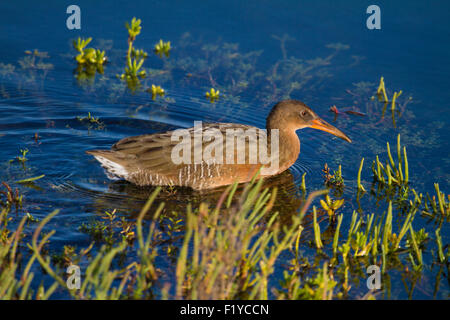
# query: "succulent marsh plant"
x,y
156,91
135,57
392,173
162,48
330,206
89,61
88,55
213,95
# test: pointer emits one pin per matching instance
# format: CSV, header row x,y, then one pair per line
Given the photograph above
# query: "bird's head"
x,y
294,114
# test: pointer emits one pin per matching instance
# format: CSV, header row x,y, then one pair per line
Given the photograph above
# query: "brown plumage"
x,y
148,159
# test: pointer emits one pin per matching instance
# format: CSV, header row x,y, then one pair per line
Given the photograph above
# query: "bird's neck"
x,y
289,146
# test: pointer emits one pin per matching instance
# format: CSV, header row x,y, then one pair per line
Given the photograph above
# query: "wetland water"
x,y
255,53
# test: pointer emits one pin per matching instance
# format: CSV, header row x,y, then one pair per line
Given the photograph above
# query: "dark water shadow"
x,y
131,198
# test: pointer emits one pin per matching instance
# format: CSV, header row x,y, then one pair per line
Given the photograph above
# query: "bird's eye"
x,y
303,113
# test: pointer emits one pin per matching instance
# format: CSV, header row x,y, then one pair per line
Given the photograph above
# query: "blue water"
x,y
411,52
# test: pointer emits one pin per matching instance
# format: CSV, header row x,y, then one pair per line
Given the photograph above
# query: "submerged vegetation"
x,y
242,246
92,122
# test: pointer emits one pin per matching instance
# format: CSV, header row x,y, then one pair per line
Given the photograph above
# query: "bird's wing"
x,y
155,152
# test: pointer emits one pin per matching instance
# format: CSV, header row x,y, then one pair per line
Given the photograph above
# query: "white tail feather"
x,y
113,168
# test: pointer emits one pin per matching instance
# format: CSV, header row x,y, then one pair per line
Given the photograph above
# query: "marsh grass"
x,y
229,251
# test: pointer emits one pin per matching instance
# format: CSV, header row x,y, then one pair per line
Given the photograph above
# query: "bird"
x,y
154,159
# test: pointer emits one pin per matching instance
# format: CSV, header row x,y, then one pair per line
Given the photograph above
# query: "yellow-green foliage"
x,y
88,55
162,48
213,95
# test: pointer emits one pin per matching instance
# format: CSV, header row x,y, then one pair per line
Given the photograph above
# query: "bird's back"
x,y
181,158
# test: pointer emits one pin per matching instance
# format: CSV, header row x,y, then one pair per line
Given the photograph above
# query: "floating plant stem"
x,y
360,186
388,171
387,231
391,160
404,228
440,198
394,98
439,244
399,157
416,248
30,179
297,242
376,232
382,90
336,234
405,159
303,185
317,238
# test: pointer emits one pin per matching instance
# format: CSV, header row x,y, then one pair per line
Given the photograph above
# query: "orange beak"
x,y
325,126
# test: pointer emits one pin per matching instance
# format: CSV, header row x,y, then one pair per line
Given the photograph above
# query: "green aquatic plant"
x,y
303,184
316,227
110,229
88,55
334,180
85,73
28,180
229,251
382,96
162,48
213,95
81,43
92,122
360,186
138,54
31,218
67,257
392,173
6,70
135,57
23,157
12,198
442,258
416,254
34,60
134,29
437,209
381,91
133,70
330,206
98,231
156,91
90,61
394,98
